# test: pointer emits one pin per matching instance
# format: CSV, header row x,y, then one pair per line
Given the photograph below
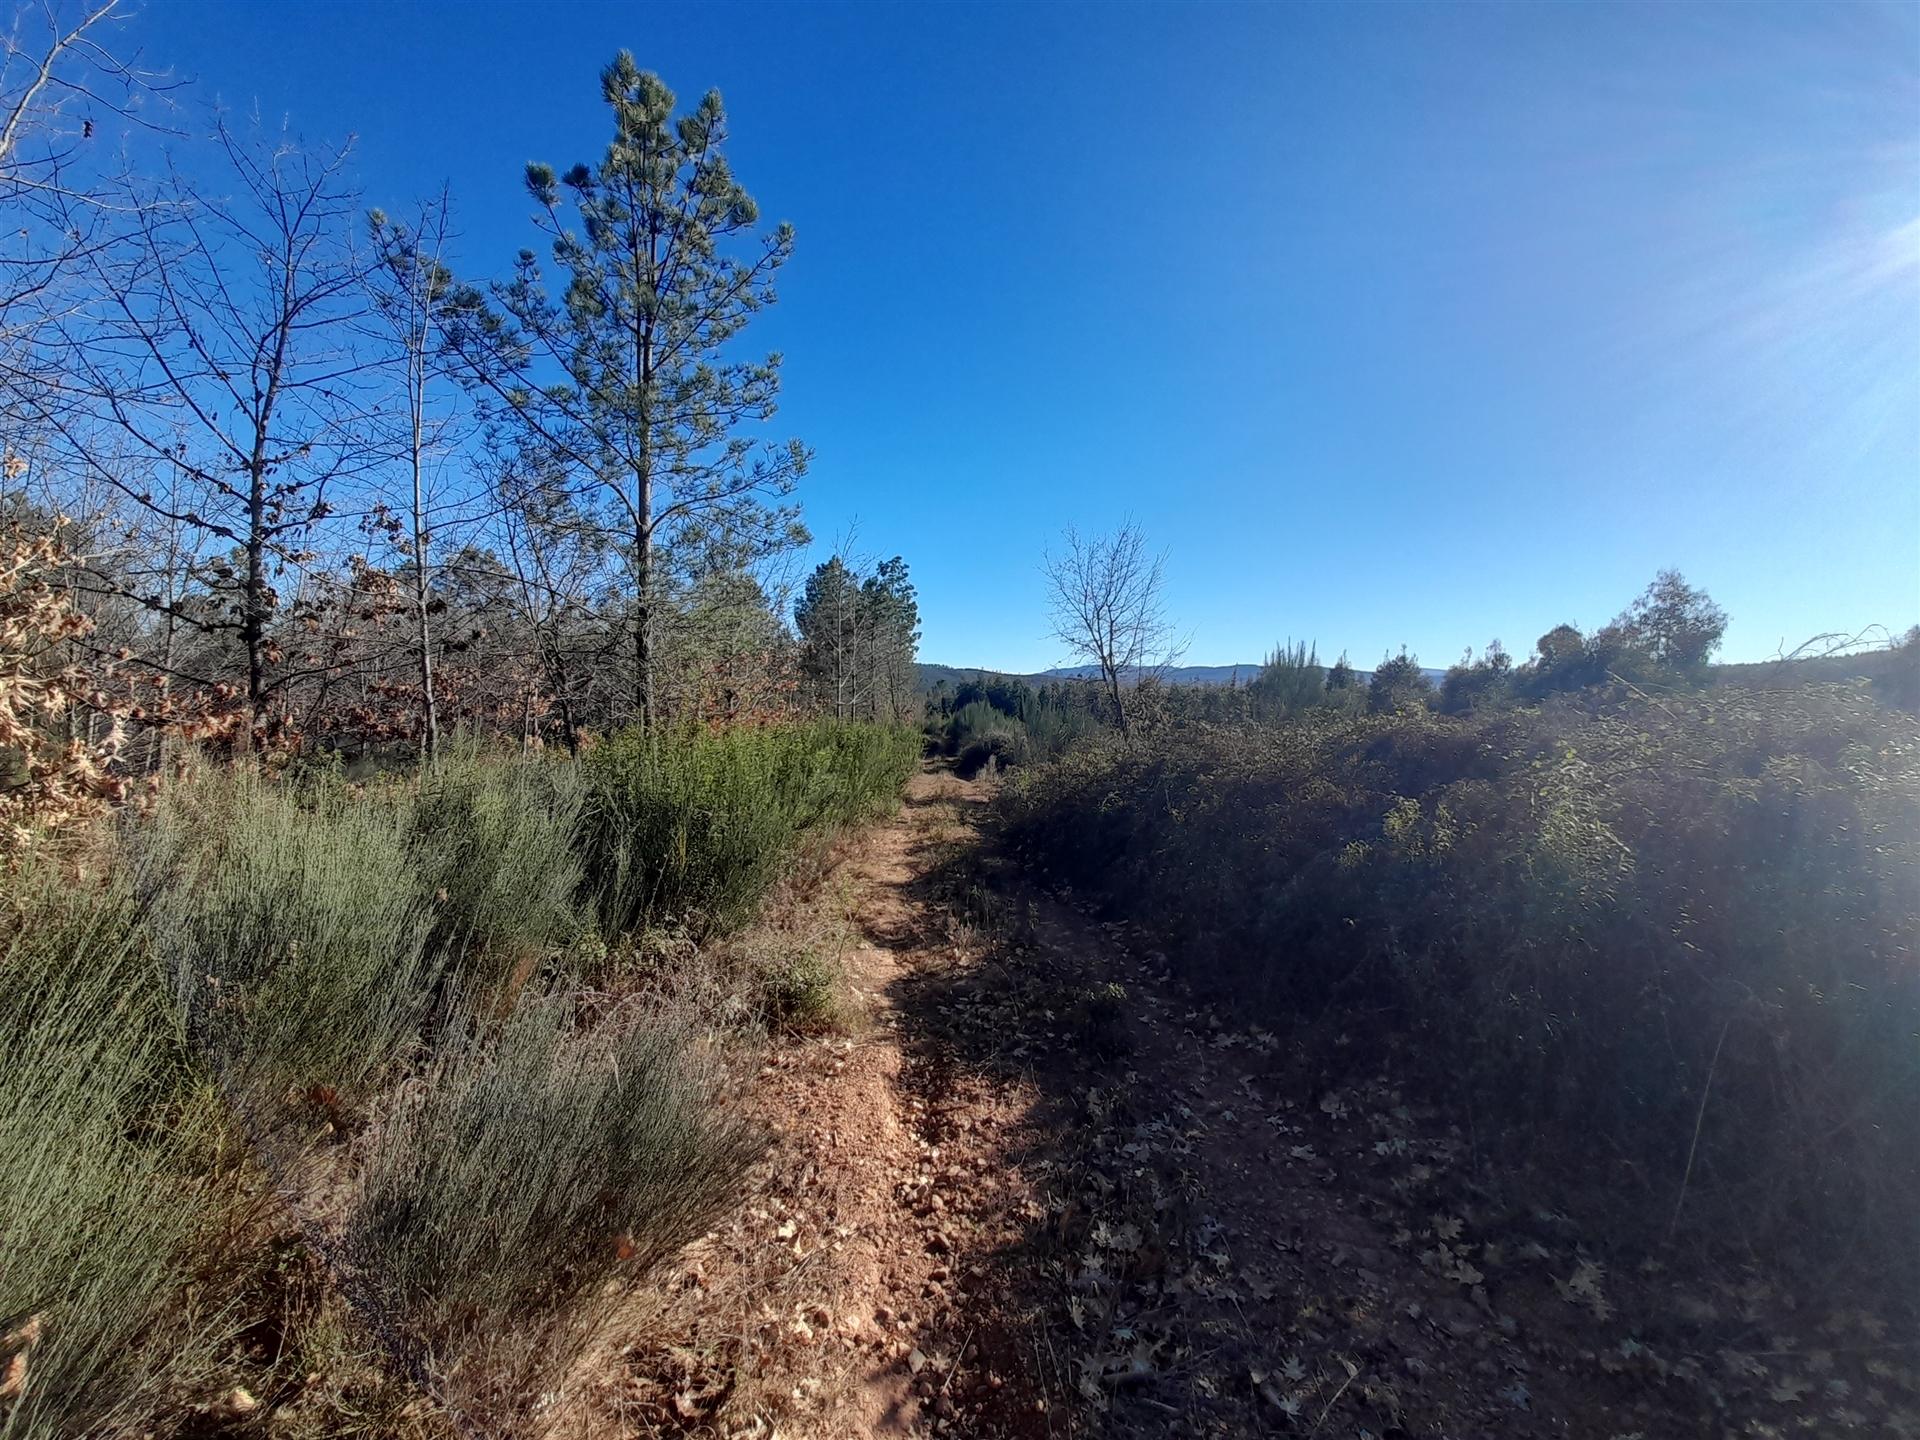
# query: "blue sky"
x,y
1395,325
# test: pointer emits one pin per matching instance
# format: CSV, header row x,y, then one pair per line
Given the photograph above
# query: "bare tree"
x,y
1105,593
223,354
410,287
59,86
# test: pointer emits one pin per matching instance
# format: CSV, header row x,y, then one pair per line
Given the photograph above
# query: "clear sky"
x,y
1393,324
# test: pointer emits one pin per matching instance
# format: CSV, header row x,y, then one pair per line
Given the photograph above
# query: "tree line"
x,y
311,482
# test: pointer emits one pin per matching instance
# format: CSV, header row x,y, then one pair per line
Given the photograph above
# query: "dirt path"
x,y
840,1300
1040,1193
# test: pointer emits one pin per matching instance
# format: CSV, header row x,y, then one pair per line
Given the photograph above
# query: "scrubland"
x,y
360,1100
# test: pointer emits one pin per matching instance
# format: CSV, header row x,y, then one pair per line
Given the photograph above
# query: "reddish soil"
x,y
1038,1192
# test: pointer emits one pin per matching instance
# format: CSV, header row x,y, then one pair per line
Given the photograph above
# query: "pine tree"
x,y
623,372
894,629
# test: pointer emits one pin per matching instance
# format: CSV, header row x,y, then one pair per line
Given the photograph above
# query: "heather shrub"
x,y
506,1205
103,1215
1604,922
492,837
294,927
1010,726
800,992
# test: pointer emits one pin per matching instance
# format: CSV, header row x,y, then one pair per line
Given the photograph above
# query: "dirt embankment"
x,y
1037,1192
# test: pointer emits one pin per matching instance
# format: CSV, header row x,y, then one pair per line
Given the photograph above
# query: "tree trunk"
x,y
430,710
253,604
643,534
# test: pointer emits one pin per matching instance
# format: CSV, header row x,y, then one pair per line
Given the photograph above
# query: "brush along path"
x,y
1042,1193
843,1299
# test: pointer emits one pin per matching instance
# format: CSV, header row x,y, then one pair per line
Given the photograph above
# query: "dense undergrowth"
x,y
396,1021
1668,944
1001,724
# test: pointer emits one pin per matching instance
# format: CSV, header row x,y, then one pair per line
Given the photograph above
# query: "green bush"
x,y
692,826
492,838
1583,917
801,993
505,1206
294,926
102,1213
1004,746
285,949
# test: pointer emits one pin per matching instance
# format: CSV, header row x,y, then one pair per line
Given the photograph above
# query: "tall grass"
x,y
504,1205
1679,938
692,826
102,1214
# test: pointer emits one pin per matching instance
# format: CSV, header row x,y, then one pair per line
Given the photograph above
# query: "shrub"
x,y
1291,680
1399,684
980,733
802,993
1477,684
505,1205
1592,920
102,1214
492,837
294,929
1054,729
692,826
1002,747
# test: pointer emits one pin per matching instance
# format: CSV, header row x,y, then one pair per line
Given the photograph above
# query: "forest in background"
x,y
304,485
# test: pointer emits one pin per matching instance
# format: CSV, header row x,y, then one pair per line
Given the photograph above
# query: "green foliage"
x,y
492,838
1006,723
1663,639
501,1203
1574,915
1291,681
858,638
801,992
295,928
1398,685
102,1215
1056,726
628,370
1676,626
692,826
284,949
1477,684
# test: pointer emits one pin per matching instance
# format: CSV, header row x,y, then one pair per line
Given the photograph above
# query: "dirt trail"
x,y
839,1301
1041,1193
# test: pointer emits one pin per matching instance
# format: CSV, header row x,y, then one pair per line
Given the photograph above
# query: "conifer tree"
x,y
624,372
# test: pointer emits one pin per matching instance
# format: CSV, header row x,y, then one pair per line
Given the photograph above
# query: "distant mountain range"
x,y
932,675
